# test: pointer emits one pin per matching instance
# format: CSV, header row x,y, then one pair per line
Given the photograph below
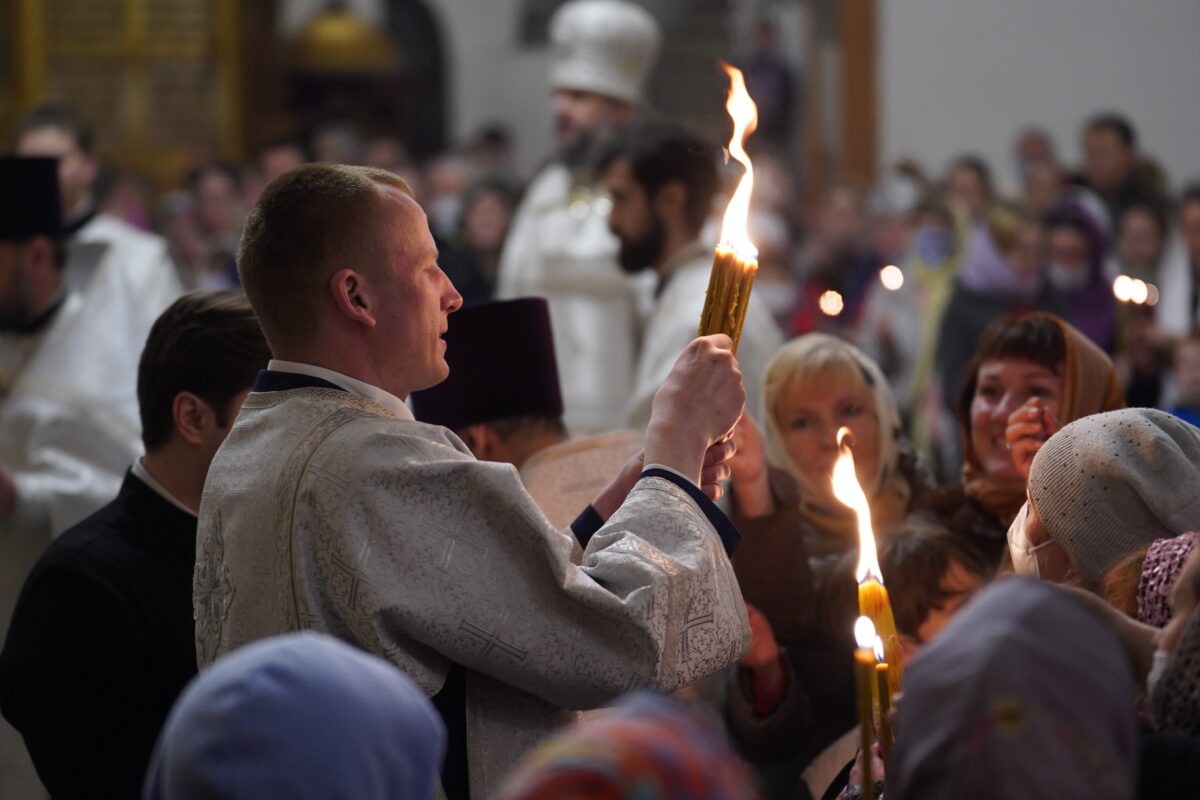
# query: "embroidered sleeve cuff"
x,y
586,525
725,529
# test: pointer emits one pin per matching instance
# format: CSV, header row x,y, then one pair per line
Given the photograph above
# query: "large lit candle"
x,y
872,596
735,262
864,682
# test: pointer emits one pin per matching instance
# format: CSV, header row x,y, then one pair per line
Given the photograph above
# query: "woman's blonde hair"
x,y
818,357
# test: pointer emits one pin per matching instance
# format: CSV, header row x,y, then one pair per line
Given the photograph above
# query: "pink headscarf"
x,y
1164,561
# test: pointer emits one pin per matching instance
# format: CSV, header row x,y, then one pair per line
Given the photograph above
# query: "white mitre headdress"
x,y
603,46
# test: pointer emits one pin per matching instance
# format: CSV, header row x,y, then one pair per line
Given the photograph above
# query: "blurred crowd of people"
x,y
333,411
911,268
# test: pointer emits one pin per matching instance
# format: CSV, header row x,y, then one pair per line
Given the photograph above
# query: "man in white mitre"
x,y
559,245
69,425
328,507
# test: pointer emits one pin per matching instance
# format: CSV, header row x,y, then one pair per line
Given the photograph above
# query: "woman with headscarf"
x,y
794,527
795,561
299,716
1104,487
1171,750
1029,375
1028,693
1076,247
647,747
1140,584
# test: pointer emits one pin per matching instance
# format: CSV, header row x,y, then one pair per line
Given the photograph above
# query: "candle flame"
x,y
879,650
864,633
849,493
741,108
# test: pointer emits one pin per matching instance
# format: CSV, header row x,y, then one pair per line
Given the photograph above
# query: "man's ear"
x,y
670,200
482,440
39,251
91,168
352,296
193,417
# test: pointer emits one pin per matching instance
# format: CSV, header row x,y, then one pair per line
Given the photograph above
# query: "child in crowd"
x,y
930,573
1186,372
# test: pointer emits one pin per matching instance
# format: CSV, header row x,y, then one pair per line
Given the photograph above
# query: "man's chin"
x,y
437,376
632,267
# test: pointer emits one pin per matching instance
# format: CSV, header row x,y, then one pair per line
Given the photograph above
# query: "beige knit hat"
x,y
1109,484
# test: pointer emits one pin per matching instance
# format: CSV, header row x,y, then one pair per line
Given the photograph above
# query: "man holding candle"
x,y
662,179
330,508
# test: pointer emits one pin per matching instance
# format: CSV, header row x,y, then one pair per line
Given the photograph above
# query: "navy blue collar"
x,y
270,380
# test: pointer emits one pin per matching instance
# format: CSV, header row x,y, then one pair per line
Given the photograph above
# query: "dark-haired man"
x,y
662,179
1114,168
102,639
330,508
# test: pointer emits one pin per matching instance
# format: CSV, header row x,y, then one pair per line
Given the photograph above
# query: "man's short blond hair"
x,y
309,223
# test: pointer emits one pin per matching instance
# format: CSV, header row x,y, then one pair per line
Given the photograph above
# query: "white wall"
x,y
493,79
959,75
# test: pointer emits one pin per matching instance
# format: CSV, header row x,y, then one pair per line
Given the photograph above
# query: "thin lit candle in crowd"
x,y
735,262
884,697
864,682
872,596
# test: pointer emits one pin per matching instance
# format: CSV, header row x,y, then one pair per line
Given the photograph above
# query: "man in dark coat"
x,y
101,641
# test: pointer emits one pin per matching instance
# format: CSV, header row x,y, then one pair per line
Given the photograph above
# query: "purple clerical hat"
x,y
29,200
502,366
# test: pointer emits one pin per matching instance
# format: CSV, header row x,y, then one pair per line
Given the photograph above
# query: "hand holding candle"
x,y
736,260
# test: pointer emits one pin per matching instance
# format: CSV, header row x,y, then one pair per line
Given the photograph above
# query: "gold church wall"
x,y
159,79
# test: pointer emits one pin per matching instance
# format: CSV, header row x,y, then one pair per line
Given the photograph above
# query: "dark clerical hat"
x,y
29,202
502,366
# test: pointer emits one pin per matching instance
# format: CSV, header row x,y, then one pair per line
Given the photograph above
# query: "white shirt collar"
x,y
139,472
352,385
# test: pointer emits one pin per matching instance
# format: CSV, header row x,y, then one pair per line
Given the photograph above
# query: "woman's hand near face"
x,y
1028,429
748,469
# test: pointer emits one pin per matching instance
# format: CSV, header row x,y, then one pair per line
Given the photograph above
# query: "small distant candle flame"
x,y
849,493
879,650
1123,288
741,108
831,303
864,633
892,278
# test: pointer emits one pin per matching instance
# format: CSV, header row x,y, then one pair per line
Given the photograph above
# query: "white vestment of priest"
x,y
559,247
325,510
674,322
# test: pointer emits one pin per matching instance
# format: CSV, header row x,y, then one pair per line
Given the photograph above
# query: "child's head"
x,y
930,572
1187,369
